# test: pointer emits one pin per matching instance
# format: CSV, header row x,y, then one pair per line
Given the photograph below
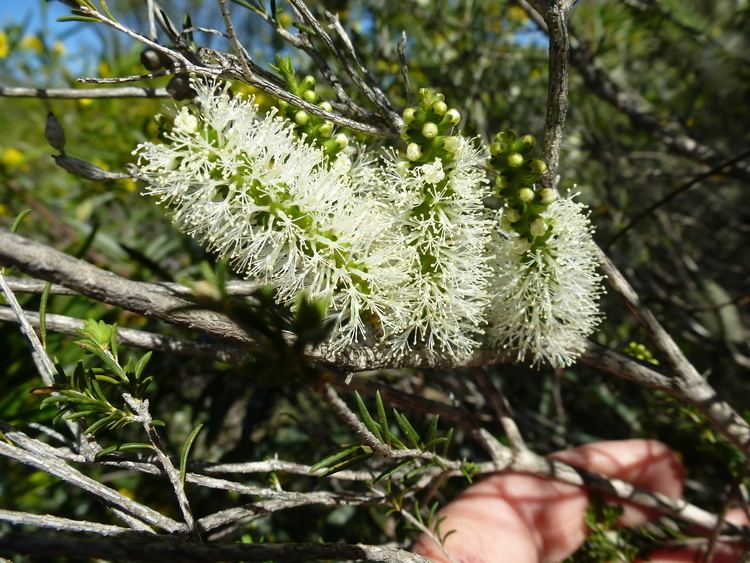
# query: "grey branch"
x,y
138,338
557,91
83,93
58,468
59,524
140,548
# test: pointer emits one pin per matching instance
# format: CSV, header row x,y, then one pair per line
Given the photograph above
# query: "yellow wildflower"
x,y
517,14
11,158
32,43
4,49
58,48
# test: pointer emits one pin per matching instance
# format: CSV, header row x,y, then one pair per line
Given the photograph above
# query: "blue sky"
x,y
37,16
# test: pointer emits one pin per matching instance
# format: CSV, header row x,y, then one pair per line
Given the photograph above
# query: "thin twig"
x,y
502,409
140,407
83,93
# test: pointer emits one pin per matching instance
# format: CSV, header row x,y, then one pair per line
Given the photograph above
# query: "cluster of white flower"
x,y
544,296
401,248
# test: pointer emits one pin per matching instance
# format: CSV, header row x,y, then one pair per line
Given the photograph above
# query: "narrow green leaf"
x,y
382,419
408,430
141,365
123,448
388,472
448,438
334,458
43,313
106,9
186,450
78,19
346,464
372,426
432,433
19,219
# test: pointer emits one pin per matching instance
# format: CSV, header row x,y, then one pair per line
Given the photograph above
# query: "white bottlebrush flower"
x,y
439,212
545,295
248,189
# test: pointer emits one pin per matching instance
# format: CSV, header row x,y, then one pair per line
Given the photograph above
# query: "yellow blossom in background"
x,y
3,210
4,49
104,70
85,102
11,158
129,185
58,48
517,14
32,43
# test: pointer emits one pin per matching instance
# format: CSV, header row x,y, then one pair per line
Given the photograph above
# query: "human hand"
x,y
518,518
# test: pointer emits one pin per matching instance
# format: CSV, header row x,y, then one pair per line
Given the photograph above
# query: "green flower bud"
x,y
439,96
524,143
308,82
548,195
301,117
512,215
538,227
496,148
282,105
430,130
501,182
310,96
451,144
454,116
408,115
440,107
342,140
526,194
326,130
413,152
538,166
515,160
326,106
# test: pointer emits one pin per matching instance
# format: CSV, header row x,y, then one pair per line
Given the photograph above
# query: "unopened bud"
x,y
413,152
512,215
548,195
342,140
310,96
326,106
515,160
430,130
526,194
301,117
495,148
308,82
538,166
326,130
454,116
408,115
452,144
524,143
440,107
501,182
538,227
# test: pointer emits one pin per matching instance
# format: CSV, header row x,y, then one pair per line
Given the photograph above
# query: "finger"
x,y
529,519
646,464
724,553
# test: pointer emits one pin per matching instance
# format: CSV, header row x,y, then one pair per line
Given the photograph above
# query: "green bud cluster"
x,y
517,185
426,130
640,352
314,128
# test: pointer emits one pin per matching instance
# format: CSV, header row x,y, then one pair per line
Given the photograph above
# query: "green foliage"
x,y
604,541
94,394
